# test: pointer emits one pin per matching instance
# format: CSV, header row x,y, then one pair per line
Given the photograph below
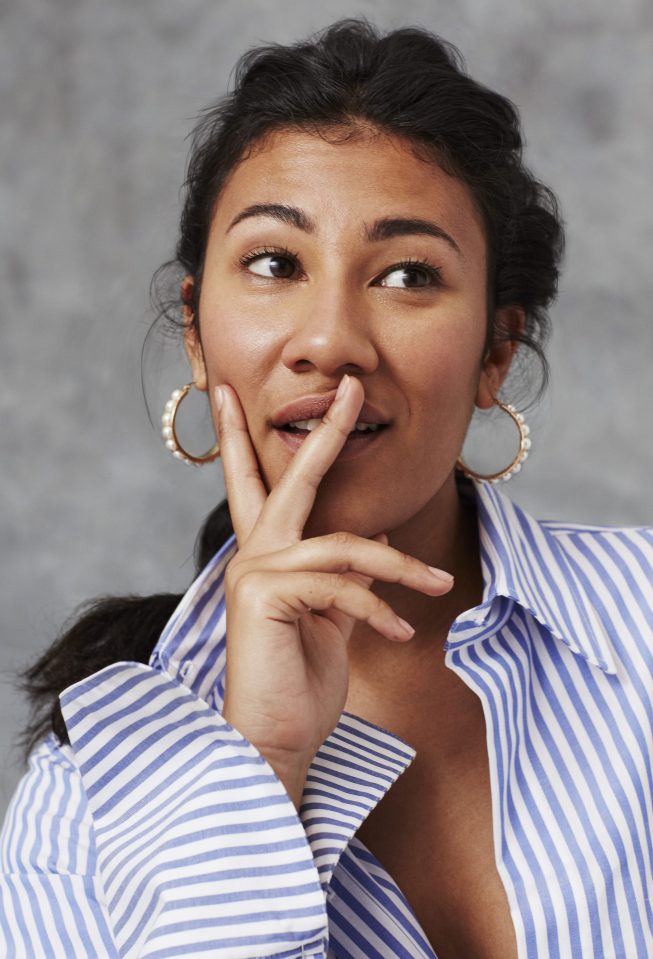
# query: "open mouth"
x,y
303,427
359,439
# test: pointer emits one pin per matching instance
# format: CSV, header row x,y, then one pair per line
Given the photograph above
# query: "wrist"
x,y
289,767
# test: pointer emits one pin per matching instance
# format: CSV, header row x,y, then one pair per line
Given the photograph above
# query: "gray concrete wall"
x,y
97,98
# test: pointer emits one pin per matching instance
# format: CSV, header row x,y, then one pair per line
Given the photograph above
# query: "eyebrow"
x,y
383,229
389,227
279,211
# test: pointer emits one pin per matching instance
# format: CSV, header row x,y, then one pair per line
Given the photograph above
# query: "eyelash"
x,y
268,251
433,272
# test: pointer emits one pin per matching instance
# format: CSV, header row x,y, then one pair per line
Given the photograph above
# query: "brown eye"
x,y
411,275
271,264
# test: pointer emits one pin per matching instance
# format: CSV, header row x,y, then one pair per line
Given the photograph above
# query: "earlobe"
x,y
195,354
509,322
192,341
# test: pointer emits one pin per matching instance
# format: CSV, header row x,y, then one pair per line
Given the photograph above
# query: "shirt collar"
x,y
529,562
523,560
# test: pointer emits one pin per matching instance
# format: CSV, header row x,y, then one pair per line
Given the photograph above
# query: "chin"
x,y
362,510
368,509
362,519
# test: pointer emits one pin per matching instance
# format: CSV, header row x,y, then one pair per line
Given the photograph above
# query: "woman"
x,y
394,715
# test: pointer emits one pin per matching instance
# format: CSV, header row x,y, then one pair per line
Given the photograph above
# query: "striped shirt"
x,y
160,831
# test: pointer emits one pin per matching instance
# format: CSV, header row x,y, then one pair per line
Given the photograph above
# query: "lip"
x,y
352,447
315,406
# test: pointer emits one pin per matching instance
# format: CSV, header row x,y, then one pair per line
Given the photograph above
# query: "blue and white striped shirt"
x,y
162,832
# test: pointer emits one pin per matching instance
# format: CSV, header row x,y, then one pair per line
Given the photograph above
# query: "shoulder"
x,y
564,563
48,826
590,585
613,566
618,551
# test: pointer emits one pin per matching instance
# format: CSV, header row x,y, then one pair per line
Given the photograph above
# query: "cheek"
x,y
236,351
443,373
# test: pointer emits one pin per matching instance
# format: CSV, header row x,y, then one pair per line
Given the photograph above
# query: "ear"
x,y
192,341
508,321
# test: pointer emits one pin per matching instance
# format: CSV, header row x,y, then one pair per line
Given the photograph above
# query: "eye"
x,y
416,273
280,262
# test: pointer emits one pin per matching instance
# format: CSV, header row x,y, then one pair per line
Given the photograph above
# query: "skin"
x,y
415,353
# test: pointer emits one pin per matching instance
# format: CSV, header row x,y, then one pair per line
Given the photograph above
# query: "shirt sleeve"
x,y
187,843
51,899
198,849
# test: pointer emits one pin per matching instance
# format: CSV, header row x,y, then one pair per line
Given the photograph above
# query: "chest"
x,y
436,841
572,819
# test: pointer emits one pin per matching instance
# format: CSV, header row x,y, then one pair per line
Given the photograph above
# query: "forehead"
x,y
343,183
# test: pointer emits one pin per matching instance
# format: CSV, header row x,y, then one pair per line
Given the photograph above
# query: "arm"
x,y
52,902
198,842
177,836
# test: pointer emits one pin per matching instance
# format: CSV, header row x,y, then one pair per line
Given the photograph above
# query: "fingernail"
x,y
342,388
407,628
219,396
441,575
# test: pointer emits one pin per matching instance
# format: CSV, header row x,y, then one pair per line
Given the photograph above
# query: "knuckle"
x,y
342,545
342,540
333,583
408,565
378,606
330,586
225,428
235,568
249,585
411,563
231,575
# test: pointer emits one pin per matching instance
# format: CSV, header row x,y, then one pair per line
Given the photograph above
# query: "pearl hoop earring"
x,y
169,432
522,453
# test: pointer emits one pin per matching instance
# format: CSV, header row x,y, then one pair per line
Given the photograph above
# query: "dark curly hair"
x,y
409,83
340,82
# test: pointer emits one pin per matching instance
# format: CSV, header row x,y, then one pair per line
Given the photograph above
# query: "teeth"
x,y
305,424
311,424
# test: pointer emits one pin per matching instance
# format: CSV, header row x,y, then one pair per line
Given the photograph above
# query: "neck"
x,y
406,679
443,534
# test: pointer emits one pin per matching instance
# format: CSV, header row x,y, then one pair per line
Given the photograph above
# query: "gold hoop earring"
x,y
169,432
522,453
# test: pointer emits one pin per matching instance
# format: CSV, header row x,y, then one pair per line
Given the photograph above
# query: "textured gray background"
x,y
97,98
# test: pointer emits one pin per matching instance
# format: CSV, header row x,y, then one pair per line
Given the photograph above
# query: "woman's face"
x,y
295,297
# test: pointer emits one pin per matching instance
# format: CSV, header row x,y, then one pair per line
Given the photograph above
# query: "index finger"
x,y
288,505
246,492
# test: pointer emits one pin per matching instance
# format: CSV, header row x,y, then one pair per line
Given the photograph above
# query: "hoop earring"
x,y
522,453
169,432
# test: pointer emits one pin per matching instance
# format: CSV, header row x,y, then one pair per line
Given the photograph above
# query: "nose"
x,y
332,334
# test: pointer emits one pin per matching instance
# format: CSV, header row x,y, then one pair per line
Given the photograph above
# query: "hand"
x,y
292,603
